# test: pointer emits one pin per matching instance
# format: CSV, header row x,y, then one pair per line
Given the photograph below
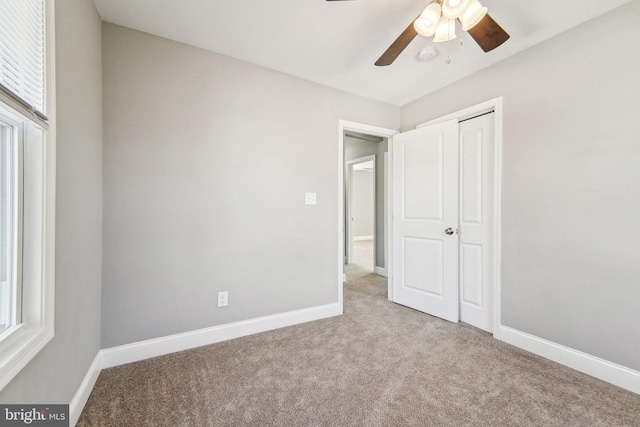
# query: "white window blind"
x,y
22,53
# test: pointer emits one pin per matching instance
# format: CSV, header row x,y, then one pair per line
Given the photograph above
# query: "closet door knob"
x,y
448,231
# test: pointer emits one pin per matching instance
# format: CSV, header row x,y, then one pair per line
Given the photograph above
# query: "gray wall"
x,y
571,183
362,200
354,149
55,374
183,219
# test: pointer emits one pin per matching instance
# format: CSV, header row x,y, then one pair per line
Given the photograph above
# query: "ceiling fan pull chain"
x,y
448,60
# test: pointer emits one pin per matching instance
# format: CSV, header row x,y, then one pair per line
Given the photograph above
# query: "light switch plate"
x,y
310,198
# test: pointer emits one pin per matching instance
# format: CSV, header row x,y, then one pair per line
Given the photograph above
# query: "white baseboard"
x,y
358,238
134,352
621,376
615,374
110,357
380,271
82,395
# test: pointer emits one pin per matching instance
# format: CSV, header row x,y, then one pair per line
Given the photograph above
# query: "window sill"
x,y
18,347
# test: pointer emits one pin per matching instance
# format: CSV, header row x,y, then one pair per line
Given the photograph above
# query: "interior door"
x,y
425,219
476,221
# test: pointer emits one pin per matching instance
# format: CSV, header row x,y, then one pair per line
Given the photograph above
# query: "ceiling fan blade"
x,y
488,34
397,46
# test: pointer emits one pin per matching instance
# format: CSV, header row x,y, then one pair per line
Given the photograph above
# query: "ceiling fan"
x,y
438,19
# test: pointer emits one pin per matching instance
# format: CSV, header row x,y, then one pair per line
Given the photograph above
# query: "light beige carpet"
x,y
379,364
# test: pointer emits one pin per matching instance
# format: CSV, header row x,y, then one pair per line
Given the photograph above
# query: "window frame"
x,y
22,342
10,128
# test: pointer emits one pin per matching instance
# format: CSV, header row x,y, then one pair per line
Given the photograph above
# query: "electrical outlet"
x,y
223,299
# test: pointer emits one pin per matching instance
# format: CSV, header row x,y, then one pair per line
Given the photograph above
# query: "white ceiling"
x,y
336,43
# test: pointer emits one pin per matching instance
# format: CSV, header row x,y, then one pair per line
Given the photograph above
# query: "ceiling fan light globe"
x,y
432,13
424,28
445,30
452,9
473,15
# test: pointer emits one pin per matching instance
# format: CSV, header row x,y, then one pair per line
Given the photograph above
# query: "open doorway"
x,y
356,141
361,212
365,199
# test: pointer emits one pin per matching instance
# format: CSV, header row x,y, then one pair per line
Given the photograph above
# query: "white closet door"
x,y
476,221
425,219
